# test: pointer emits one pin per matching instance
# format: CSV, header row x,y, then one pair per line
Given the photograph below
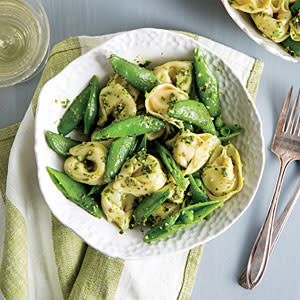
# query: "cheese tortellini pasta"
x,y
272,17
87,163
222,175
191,151
178,73
140,175
117,206
250,6
274,21
161,98
117,99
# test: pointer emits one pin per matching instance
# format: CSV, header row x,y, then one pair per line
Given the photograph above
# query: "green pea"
x,y
91,111
170,165
75,113
75,191
117,155
59,143
133,126
208,87
141,78
219,122
193,112
149,204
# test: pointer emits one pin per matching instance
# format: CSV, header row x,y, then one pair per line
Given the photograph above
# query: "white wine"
x,y
20,38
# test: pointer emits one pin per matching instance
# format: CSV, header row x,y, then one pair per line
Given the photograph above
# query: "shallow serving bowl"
x,y
244,21
158,46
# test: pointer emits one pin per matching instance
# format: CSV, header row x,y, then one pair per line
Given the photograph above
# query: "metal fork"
x,y
286,145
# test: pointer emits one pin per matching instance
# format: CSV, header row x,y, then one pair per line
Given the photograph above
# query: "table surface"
x,y
225,256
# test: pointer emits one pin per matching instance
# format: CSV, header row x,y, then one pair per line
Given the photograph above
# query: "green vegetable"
x,y
143,144
292,47
194,91
219,122
228,132
75,192
182,219
96,189
117,155
170,164
75,113
91,111
133,126
295,8
193,112
59,143
207,84
149,204
197,190
142,79
188,126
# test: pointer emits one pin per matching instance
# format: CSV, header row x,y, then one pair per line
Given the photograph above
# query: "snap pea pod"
x,y
141,78
75,112
193,112
170,164
143,144
194,85
75,191
59,143
182,219
117,155
96,189
91,111
295,8
133,126
228,132
148,205
197,190
292,47
208,87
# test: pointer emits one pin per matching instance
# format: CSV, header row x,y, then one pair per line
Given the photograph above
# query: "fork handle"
x,y
260,252
279,225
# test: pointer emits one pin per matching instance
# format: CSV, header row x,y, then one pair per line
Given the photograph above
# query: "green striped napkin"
x,y
41,258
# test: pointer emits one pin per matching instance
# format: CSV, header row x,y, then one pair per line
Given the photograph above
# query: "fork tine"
x,y
291,120
297,128
284,111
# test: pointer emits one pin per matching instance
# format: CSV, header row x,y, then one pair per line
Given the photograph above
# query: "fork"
x,y
286,145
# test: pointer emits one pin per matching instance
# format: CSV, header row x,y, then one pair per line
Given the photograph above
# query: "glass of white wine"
x,y
24,40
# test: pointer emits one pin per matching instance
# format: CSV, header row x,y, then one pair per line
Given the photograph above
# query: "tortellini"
x,y
117,99
295,28
250,6
161,98
117,206
176,193
87,163
191,151
178,73
222,175
274,20
140,175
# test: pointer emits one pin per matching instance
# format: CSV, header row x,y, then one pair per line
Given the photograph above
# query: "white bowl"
x,y
159,46
244,21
